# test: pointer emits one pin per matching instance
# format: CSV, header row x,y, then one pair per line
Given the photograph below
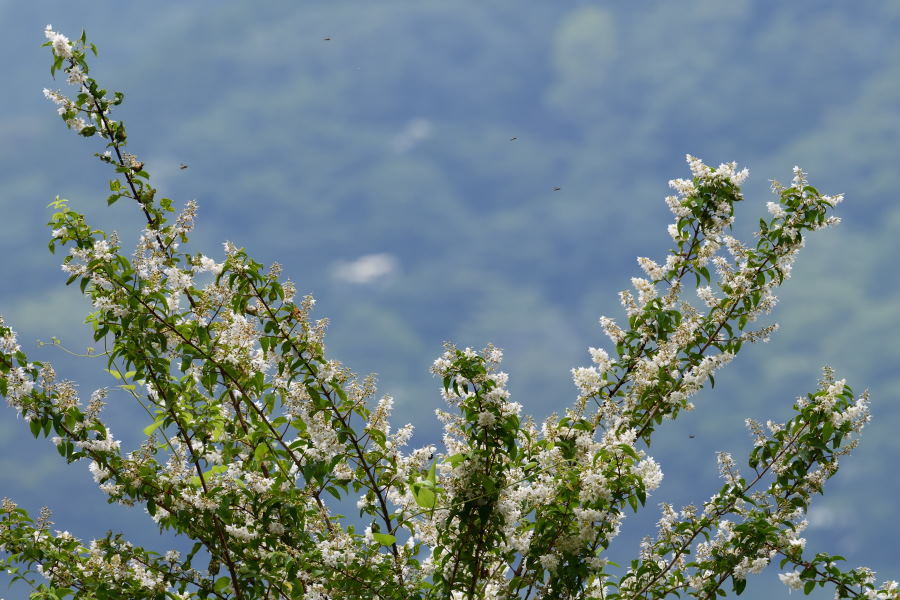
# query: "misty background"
x,y
401,160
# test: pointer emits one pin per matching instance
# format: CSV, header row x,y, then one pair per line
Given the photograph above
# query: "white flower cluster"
x,y
708,297
338,551
207,265
380,417
612,331
8,343
102,250
646,290
65,105
104,443
149,259
242,533
650,473
698,375
588,380
792,580
726,171
237,339
62,47
19,385
653,270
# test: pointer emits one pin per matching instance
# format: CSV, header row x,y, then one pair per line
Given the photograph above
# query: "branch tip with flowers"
x,y
255,430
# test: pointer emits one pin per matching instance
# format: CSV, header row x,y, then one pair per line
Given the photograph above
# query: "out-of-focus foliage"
x,y
437,134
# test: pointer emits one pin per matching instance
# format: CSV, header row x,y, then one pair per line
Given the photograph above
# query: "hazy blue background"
x,y
393,139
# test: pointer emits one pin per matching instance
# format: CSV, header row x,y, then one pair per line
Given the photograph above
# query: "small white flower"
x,y
674,232
799,179
486,418
684,187
696,165
650,473
707,296
646,290
776,210
792,580
613,331
206,264
61,45
798,542
587,379
600,358
653,270
549,562
241,533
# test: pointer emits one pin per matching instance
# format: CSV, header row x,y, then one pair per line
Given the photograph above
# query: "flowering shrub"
x,y
255,429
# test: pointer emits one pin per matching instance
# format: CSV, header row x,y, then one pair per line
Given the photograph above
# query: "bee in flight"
x,y
182,166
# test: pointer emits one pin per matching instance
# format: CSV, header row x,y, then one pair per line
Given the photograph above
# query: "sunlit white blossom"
x,y
792,580
61,45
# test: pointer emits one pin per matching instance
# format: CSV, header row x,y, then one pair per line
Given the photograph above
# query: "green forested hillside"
x,y
436,135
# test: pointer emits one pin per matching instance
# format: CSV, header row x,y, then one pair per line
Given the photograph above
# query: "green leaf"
x,y
705,272
633,502
385,539
218,430
456,459
149,429
222,583
424,495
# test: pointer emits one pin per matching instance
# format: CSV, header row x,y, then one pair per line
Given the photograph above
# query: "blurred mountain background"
x,y
402,160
